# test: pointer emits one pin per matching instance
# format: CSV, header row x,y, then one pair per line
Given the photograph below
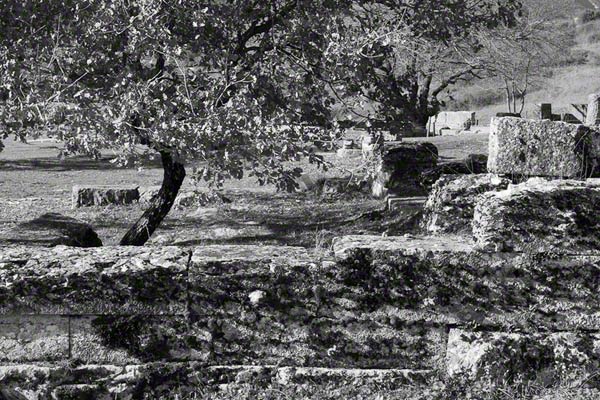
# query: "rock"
x,y
53,229
400,168
540,215
199,198
520,147
451,202
502,357
593,110
85,196
256,297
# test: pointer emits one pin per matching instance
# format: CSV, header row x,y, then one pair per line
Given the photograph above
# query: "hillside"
x,y
571,81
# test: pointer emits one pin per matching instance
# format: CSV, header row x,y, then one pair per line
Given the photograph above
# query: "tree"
x,y
517,56
393,59
221,83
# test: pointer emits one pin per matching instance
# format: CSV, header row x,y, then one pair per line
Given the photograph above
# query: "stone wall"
x,y
115,319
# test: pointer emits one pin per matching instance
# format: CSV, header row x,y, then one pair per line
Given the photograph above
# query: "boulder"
x,y
400,167
473,164
53,229
540,215
451,202
522,147
85,196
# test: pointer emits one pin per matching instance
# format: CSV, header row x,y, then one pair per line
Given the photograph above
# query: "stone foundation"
x,y
127,320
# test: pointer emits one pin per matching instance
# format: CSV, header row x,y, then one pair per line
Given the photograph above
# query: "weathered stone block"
x,y
451,201
542,148
64,280
503,357
114,339
445,280
540,215
272,305
593,110
400,167
85,196
34,338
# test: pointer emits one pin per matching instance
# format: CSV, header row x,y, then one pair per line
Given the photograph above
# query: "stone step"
x,y
447,280
124,382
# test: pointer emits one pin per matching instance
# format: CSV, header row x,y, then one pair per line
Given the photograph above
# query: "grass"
x,y
33,181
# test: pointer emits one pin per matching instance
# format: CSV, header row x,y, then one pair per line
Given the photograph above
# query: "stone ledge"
x,y
114,280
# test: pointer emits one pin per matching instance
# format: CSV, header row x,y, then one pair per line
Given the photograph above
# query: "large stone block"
x,y
522,147
34,338
506,357
451,201
128,339
273,305
84,196
540,215
446,280
67,280
400,167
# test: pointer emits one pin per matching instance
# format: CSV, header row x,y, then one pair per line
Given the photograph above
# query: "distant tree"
x,y
518,56
222,83
393,59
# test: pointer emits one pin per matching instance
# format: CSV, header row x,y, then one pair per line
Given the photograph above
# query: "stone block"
x,y
128,339
451,202
274,306
446,280
540,215
67,280
506,357
85,196
34,338
400,167
522,147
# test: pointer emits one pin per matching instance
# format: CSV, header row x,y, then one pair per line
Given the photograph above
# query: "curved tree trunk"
x,y
160,205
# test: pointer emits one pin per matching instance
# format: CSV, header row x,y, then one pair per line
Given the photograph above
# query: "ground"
x,y
33,181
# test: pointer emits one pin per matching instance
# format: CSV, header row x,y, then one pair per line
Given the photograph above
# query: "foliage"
x,y
393,59
215,82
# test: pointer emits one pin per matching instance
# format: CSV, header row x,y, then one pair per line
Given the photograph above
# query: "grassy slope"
x,y
564,86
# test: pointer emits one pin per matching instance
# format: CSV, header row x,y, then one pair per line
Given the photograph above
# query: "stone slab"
x,y
521,147
252,305
115,280
451,202
33,338
85,196
446,280
540,215
128,339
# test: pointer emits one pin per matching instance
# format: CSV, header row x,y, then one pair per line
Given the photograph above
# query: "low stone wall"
x,y
124,319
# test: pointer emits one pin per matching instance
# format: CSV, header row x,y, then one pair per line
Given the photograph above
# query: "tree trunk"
x,y
160,205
